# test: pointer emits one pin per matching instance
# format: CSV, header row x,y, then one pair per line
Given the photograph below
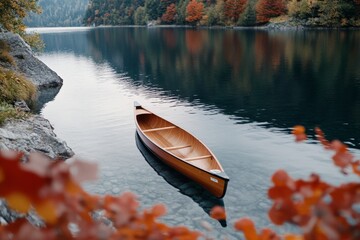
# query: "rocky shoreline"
x,y
33,134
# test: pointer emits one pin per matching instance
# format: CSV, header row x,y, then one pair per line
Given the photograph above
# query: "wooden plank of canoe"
x,y
177,147
158,129
197,158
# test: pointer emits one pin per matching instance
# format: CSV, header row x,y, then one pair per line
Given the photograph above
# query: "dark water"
x,y
240,91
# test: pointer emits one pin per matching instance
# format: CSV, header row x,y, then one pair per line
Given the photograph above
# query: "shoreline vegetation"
x,y
225,13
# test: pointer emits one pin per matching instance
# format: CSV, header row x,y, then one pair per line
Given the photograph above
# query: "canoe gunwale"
x,y
224,177
142,134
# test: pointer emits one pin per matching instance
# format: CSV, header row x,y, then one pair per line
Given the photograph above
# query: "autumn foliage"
x,y
320,209
233,9
194,11
51,189
169,15
266,9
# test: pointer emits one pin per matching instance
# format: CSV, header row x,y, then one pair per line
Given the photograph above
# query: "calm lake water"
x,y
239,91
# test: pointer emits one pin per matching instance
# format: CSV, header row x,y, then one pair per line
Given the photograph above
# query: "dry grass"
x,y
280,19
7,111
4,53
15,87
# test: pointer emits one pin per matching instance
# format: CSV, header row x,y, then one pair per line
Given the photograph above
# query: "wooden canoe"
x,y
181,151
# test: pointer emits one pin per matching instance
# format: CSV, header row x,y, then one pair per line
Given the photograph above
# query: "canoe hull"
x,y
214,183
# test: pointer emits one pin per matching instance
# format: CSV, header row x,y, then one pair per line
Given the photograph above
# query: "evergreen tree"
x,y
140,16
58,13
152,9
249,16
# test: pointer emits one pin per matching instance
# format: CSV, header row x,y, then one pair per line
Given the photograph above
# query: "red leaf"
x,y
218,213
281,178
342,159
280,192
282,211
356,167
247,226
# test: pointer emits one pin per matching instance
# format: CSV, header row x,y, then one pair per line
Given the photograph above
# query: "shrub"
x,y
15,87
7,111
4,53
34,40
299,9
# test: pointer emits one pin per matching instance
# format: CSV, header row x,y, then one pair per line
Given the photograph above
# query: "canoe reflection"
x,y
187,187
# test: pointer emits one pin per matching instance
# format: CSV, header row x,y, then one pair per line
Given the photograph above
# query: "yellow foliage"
x,y
47,211
18,202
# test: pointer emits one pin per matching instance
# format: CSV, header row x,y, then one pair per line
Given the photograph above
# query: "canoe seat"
x,y
176,147
197,158
158,129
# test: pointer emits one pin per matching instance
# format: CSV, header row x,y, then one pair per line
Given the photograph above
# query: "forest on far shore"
x,y
316,13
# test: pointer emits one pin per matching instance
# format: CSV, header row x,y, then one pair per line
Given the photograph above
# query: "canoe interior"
x,y
176,141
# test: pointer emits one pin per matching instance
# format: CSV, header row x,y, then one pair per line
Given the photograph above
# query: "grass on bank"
x,y
4,53
14,87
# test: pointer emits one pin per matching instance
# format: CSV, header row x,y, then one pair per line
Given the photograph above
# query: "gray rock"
x,y
34,134
22,106
27,64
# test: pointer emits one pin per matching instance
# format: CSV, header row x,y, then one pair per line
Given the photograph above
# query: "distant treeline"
x,y
328,13
58,13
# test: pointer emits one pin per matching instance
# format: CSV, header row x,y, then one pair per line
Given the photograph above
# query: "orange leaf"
x,y
342,159
298,129
292,237
282,211
281,178
356,167
18,202
338,146
218,213
321,138
47,211
300,137
159,210
299,132
268,234
247,226
279,192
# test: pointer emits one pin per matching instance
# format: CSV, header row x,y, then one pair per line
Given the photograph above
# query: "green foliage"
x,y
140,16
15,87
248,18
181,11
327,13
152,9
34,40
334,12
58,13
13,12
7,111
299,9
213,16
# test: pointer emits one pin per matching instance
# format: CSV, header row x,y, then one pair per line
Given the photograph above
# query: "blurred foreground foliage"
x,y
51,189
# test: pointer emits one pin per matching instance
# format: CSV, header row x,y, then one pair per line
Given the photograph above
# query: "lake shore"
x,y
34,133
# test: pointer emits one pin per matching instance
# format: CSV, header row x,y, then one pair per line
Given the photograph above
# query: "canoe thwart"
x,y
176,147
197,158
158,129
